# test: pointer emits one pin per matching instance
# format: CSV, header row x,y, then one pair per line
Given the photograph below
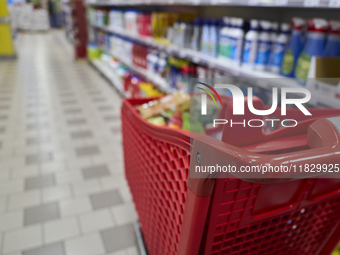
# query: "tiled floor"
x,y
62,186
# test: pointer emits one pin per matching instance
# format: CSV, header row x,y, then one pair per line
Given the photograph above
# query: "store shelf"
x,y
259,3
109,75
156,80
272,80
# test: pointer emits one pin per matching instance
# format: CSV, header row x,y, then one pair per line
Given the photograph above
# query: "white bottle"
x,y
205,37
264,46
250,45
238,37
273,38
213,34
224,39
279,48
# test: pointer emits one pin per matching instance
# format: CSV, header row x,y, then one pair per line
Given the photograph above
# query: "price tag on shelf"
x,y
334,4
311,3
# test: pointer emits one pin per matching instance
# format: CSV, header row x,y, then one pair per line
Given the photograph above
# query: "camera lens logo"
x,y
204,97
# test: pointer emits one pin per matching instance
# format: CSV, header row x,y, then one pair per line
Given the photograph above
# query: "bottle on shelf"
x,y
213,37
250,45
237,41
205,37
273,38
279,47
224,39
314,46
332,48
264,46
294,47
196,35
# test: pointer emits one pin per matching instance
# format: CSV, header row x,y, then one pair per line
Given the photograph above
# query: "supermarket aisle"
x,y
62,188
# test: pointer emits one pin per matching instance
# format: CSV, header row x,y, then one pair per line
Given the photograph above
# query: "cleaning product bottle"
x,y
224,39
294,47
264,46
196,35
250,44
279,47
213,35
273,37
237,46
205,37
231,36
314,46
332,48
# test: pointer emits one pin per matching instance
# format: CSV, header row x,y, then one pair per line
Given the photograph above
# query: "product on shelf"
x,y
264,46
294,47
250,44
278,48
314,46
144,24
131,21
332,48
196,35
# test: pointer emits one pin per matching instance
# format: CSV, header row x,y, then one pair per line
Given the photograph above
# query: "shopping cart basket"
x,y
182,215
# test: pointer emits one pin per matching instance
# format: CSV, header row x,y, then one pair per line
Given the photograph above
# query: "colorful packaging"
x,y
294,47
314,46
332,48
279,48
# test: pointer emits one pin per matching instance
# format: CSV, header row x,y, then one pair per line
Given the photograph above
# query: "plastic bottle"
x,y
212,45
273,38
205,37
188,34
332,48
250,44
264,46
294,47
196,35
279,47
224,39
314,46
237,45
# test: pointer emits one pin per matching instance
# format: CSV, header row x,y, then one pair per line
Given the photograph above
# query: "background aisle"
x,y
62,186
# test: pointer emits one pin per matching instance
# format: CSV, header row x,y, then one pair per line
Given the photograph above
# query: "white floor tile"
x,y
133,250
22,239
125,194
3,201
11,187
11,220
24,172
87,187
68,177
85,245
60,229
22,200
114,182
75,206
124,213
96,221
4,176
56,193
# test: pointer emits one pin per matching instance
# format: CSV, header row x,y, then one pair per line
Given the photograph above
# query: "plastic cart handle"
x,y
323,140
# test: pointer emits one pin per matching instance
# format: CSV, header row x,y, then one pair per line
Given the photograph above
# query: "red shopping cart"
x,y
232,215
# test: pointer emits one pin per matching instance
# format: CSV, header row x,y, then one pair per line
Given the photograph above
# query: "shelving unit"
x,y
198,58
158,81
109,75
247,9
